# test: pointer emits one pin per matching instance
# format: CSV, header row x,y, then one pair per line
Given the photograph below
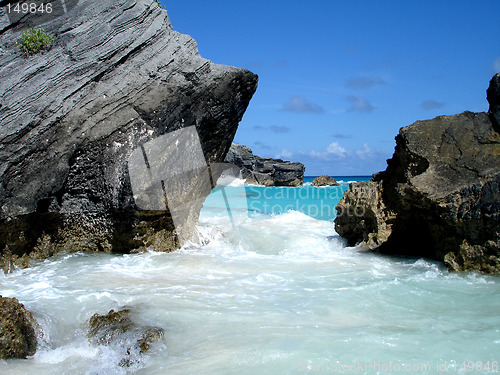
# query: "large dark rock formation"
x,y
116,77
265,171
17,330
439,196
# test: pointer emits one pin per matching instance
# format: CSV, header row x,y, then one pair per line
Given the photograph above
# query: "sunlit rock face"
x,y
439,196
115,78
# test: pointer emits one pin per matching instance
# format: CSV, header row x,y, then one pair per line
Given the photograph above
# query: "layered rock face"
x,y
265,171
116,77
17,330
439,196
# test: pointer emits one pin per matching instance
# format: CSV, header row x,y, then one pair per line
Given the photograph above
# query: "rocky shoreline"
x,y
117,79
439,196
265,171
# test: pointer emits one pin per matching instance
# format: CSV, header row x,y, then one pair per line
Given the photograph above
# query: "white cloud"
x,y
496,65
360,104
332,152
365,153
335,159
336,149
285,154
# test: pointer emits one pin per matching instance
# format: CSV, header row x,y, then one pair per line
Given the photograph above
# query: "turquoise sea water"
x,y
272,290
316,202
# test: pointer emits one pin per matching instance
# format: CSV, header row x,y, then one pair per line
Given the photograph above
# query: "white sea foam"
x,y
80,350
230,181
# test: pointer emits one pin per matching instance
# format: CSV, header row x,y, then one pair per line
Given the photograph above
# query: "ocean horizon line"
x,y
336,176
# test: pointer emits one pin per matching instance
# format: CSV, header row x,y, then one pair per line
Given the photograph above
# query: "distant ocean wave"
x,y
340,179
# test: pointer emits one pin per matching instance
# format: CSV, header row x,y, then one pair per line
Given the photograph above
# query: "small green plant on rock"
x,y
34,40
159,4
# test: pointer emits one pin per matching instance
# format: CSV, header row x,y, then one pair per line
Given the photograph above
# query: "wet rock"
x,y
105,329
439,196
118,328
17,330
265,171
148,337
116,77
324,181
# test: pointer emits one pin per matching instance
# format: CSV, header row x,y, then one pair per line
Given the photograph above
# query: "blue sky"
x,y
337,79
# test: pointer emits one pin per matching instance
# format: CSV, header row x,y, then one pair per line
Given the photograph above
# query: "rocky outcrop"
x,y
17,330
265,171
118,328
493,96
324,181
116,77
362,217
439,196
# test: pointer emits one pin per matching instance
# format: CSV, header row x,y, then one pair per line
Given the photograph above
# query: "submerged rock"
x,y
116,77
439,196
117,328
265,171
17,330
324,181
105,329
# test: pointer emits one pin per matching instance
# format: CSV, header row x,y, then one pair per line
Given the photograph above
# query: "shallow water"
x,y
269,294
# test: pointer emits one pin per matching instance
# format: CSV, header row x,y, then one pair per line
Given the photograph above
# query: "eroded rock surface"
x,y
439,196
116,77
119,329
265,171
324,181
17,330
